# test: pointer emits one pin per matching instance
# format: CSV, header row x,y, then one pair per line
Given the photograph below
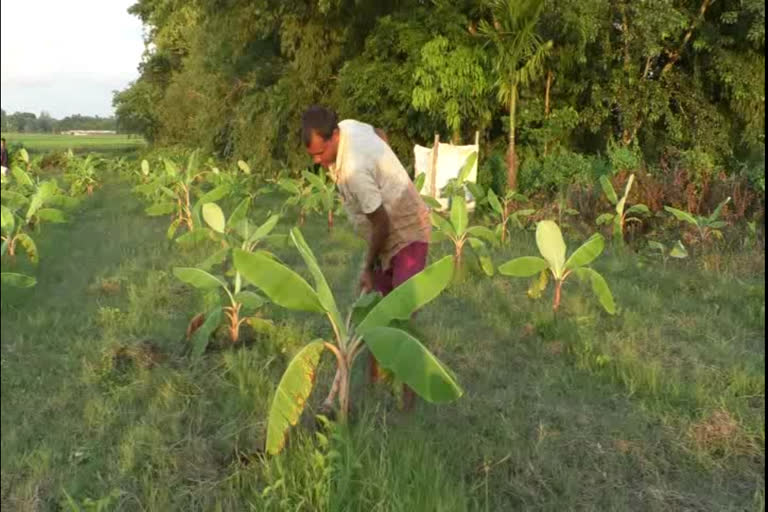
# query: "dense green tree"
x,y
654,79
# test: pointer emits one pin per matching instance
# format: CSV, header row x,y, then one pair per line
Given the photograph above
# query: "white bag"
x,y
450,160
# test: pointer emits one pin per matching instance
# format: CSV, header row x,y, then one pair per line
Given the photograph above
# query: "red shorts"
x,y
409,261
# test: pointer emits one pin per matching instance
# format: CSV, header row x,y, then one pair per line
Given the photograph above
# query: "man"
x,y
3,157
380,198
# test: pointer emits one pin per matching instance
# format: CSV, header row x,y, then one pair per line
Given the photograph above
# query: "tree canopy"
x,y
28,122
657,77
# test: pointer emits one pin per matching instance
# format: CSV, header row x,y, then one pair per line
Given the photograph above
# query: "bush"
x,y
699,165
556,170
753,171
624,158
56,161
493,173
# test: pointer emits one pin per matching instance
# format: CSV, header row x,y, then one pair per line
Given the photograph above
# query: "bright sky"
x,y
66,56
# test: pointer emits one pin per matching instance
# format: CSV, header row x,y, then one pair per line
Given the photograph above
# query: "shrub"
x,y
554,171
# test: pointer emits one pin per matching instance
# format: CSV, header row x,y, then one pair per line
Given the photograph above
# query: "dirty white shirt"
x,y
369,174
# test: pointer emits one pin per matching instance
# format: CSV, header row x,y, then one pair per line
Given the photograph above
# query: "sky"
x,y
66,56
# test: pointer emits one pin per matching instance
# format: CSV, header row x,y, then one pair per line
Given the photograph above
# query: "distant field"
x,y
38,142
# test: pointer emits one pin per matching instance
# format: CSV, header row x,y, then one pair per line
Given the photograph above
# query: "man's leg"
x,y
410,261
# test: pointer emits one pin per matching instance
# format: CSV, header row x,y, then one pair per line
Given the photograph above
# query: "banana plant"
x,y
428,200
621,215
142,174
121,165
457,230
175,193
323,196
236,181
706,227
677,251
240,302
21,158
551,245
36,209
22,181
752,236
563,210
300,192
367,326
20,162
82,175
237,232
459,186
502,208
232,232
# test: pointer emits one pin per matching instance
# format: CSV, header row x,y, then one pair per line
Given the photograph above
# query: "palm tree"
x,y
521,55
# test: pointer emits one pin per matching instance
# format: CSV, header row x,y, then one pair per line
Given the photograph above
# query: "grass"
x,y
658,408
42,142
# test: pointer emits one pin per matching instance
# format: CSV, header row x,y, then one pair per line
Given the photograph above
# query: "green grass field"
x,y
660,408
42,142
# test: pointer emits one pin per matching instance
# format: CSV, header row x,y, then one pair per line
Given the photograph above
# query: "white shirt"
x,y
368,175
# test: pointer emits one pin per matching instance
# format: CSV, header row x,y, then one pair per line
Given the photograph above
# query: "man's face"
x,y
323,151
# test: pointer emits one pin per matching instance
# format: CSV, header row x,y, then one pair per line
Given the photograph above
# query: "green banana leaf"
x,y
198,278
17,280
411,295
608,189
459,217
291,395
587,253
321,285
214,217
526,266
551,245
412,363
683,216
203,334
599,287
280,284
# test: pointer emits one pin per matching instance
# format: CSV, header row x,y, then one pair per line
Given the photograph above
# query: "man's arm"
x,y
379,232
381,134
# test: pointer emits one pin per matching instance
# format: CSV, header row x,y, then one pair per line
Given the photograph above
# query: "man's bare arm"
x,y
381,134
379,233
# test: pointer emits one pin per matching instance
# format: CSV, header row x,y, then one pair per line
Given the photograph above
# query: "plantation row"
x,y
246,275
30,200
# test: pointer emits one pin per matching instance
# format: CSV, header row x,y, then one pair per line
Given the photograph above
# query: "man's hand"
x,y
366,281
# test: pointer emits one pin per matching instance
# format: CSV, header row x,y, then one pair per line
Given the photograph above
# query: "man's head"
x,y
2,141
320,133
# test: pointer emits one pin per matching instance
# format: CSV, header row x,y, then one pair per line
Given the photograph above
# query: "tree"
x,y
575,77
452,85
520,56
45,123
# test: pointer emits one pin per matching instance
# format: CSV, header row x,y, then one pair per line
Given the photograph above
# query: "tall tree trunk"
x,y
512,153
546,105
675,55
456,137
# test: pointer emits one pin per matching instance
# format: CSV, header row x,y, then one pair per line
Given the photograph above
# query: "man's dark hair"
x,y
319,120
3,139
